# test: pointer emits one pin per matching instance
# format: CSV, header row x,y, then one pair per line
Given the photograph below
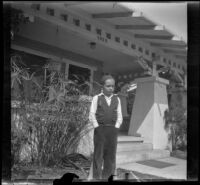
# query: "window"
x,y
125,43
76,22
98,31
140,49
164,60
64,17
169,61
147,52
88,27
153,55
36,64
179,66
133,46
108,35
50,11
174,64
80,75
117,39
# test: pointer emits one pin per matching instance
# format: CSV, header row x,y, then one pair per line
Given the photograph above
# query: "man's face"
x,y
108,87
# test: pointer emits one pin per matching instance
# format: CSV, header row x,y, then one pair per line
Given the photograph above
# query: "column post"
x,y
147,118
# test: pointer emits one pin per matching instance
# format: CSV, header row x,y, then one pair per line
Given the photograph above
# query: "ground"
x,y
25,172
33,172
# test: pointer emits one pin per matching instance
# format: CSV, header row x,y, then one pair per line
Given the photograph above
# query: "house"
x,y
96,38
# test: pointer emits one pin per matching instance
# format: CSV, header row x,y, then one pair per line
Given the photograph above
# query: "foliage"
x,y
18,136
176,122
58,128
52,127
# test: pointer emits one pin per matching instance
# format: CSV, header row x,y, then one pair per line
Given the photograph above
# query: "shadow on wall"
x,y
141,107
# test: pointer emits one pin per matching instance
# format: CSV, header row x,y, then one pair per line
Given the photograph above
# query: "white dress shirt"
x,y
93,109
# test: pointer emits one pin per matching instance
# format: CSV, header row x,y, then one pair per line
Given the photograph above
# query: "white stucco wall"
x,y
141,112
147,117
86,146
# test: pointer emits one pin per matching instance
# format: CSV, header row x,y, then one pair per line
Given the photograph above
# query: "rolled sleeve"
x,y
92,113
119,115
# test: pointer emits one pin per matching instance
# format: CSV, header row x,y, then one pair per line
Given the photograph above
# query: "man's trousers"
x,y
105,146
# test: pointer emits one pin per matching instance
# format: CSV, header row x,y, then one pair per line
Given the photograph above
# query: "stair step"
x,y
133,156
132,146
130,139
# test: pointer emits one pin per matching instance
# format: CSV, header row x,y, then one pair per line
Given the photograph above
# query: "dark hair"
x,y
106,77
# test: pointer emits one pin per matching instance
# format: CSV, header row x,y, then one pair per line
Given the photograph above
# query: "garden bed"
x,y
179,154
36,172
73,163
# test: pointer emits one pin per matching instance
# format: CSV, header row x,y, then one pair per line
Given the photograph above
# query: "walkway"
x,y
170,168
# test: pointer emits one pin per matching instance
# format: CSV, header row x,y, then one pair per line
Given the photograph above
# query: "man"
x,y
106,116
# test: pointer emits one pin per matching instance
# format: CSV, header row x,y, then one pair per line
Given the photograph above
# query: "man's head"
x,y
108,83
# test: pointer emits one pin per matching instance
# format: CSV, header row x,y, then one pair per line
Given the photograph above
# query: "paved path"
x,y
177,171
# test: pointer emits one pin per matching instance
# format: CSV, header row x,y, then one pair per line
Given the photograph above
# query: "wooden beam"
x,y
181,56
135,27
175,51
74,3
168,45
82,32
112,15
159,27
144,65
51,56
163,69
137,15
162,37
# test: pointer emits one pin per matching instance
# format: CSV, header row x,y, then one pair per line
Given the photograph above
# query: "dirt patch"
x,y
36,172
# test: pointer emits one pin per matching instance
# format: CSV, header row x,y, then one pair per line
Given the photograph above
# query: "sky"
x,y
172,15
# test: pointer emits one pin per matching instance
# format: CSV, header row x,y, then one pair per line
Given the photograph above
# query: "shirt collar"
x,y
106,96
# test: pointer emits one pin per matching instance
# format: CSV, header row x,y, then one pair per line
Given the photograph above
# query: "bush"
x,y
176,122
58,131
18,135
53,127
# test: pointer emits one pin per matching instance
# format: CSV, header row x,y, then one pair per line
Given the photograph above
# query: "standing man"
x,y
106,116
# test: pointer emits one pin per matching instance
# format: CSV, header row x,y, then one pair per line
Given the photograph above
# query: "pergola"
x,y
130,39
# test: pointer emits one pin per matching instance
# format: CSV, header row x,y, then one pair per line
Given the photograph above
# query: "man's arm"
x,y
119,114
93,109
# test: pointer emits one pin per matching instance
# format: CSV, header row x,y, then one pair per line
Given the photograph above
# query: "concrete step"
x,y
133,146
126,139
133,156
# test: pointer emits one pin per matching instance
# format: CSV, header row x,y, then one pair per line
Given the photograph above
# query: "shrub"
x,y
54,125
176,122
58,130
18,135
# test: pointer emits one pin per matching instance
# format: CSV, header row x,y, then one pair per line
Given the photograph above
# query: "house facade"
x,y
96,38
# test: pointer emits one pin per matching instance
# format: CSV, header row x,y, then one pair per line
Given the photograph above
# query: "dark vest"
x,y
105,114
